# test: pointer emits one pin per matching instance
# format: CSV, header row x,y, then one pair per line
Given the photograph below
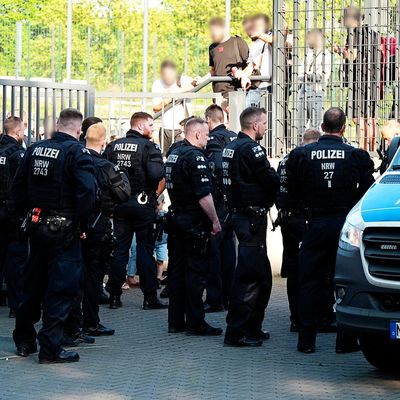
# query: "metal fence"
x,y
335,53
108,51
39,103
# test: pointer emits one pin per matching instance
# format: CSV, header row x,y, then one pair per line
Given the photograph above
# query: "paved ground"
x,y
143,361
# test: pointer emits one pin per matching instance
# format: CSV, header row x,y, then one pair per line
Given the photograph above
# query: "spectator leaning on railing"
x,y
171,82
226,52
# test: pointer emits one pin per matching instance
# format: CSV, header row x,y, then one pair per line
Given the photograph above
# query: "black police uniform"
x,y
113,188
14,248
292,221
250,187
141,159
327,178
222,246
188,179
55,183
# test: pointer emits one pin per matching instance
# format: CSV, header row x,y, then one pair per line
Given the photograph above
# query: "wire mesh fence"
x,y
336,53
110,58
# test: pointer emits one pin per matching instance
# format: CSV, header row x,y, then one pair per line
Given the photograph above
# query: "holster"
x,y
257,214
199,240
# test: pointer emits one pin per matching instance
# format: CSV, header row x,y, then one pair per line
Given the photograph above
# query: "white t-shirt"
x,y
172,117
261,60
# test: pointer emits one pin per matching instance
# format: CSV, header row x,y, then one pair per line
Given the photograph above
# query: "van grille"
x,y
390,179
382,252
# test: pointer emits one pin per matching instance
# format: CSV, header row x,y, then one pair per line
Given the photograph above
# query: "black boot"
x,y
25,350
151,302
115,301
62,357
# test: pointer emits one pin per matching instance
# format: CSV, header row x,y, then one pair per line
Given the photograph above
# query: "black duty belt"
x,y
292,213
253,210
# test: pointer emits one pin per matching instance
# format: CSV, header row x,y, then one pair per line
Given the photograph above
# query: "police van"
x,y
368,269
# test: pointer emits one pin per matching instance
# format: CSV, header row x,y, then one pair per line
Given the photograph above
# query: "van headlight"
x,y
350,237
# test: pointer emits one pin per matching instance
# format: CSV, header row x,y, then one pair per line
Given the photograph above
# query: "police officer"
x,y
14,248
55,187
113,188
327,178
292,221
141,159
191,221
223,253
250,187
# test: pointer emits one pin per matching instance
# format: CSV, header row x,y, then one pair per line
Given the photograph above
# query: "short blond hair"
x,y
96,133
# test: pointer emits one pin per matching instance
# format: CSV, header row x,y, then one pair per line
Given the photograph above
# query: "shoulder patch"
x,y
228,153
258,151
172,158
200,158
85,150
116,168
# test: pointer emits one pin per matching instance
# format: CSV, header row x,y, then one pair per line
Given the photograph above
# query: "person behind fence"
x,y
14,248
250,186
326,178
361,74
223,252
171,82
259,61
314,75
113,189
225,53
192,219
55,189
141,159
292,222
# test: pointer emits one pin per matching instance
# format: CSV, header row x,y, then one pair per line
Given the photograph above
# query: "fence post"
x,y
145,43
89,40
18,48
278,91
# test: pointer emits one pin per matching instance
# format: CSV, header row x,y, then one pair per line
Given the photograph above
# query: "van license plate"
x,y
394,330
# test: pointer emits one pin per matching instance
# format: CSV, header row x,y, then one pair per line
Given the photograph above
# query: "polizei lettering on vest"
x,y
132,147
46,152
328,154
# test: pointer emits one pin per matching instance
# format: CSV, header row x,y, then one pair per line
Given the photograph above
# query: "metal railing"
x,y
39,103
116,108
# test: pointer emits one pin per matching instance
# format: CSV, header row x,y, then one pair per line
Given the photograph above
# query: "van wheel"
x,y
381,352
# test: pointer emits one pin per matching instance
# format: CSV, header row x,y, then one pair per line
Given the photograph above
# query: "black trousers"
x,y
187,269
13,257
252,283
316,268
222,264
292,229
51,282
96,251
129,220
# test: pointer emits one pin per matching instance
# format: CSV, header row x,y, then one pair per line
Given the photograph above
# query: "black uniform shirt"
x,y
328,175
219,138
11,153
56,174
248,178
188,178
113,184
140,158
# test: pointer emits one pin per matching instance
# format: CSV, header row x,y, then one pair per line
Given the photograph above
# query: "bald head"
x,y
311,135
96,137
196,132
